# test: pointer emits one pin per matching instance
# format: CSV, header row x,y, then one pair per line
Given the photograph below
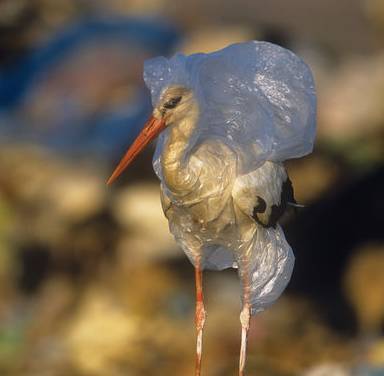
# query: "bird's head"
x,y
175,103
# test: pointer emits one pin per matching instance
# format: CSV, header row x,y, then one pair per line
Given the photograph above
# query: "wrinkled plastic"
x,y
257,103
268,266
257,97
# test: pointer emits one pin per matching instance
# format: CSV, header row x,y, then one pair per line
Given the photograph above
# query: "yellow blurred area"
x,y
91,281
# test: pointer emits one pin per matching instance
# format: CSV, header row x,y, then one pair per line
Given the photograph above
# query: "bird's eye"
x,y
172,103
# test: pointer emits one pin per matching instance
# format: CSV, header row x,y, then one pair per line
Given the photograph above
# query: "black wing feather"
x,y
276,211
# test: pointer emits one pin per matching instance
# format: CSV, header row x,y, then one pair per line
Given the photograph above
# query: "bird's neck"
x,y
177,174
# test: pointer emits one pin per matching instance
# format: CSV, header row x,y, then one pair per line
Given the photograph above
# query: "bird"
x,y
225,123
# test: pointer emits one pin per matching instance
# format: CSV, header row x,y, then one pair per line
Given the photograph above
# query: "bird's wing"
x,y
263,194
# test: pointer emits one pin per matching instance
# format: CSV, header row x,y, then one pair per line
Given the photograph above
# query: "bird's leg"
x,y
245,317
200,316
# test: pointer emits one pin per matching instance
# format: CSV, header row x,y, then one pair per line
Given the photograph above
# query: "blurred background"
x,y
91,282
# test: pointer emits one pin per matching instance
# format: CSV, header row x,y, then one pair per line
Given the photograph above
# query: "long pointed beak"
x,y
150,131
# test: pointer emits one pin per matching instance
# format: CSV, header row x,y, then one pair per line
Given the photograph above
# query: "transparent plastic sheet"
x,y
257,102
269,269
256,97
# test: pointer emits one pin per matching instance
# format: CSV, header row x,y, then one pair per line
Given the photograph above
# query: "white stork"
x,y
227,122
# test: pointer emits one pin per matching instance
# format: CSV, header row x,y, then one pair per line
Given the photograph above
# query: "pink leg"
x,y
245,317
199,318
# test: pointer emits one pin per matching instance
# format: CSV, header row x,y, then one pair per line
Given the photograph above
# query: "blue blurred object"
x,y
71,126
368,370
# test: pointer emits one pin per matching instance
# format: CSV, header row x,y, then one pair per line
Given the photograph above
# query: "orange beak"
x,y
151,130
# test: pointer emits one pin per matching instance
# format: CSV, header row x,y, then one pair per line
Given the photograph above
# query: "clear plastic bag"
x,y
256,97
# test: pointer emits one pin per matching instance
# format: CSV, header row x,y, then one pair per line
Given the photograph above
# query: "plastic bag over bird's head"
x,y
256,97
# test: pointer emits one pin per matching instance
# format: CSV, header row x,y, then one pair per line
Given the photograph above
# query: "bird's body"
x,y
215,216
200,211
223,138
